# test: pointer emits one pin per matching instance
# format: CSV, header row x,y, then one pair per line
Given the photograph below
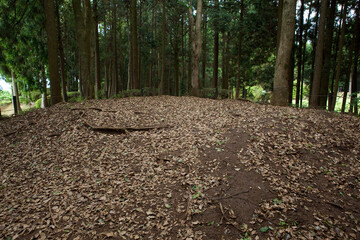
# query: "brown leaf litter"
x,y
179,168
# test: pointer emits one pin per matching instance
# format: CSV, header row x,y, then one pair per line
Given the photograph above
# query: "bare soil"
x,y
179,168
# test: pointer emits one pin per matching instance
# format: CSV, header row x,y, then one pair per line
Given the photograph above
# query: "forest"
x,y
217,49
179,119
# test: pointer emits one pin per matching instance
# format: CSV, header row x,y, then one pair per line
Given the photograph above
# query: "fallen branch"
x,y
234,224
232,195
93,108
123,129
9,133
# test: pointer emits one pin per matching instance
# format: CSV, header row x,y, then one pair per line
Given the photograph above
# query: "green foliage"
x,y
74,97
208,93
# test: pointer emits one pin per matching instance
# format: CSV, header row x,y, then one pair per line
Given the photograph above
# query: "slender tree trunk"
x,y
354,77
314,102
300,56
314,42
84,28
190,64
183,51
44,102
61,53
163,41
15,94
134,47
239,51
304,57
196,46
97,51
115,78
348,73
340,57
52,42
204,55
325,76
216,54
281,82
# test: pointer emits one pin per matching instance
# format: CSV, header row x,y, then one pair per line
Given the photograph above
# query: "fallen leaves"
x,y
59,180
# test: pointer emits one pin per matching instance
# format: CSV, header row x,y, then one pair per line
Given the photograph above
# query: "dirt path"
x,y
219,170
8,109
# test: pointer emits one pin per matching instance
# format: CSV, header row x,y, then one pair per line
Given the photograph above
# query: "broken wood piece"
x,y
234,224
9,133
123,129
93,108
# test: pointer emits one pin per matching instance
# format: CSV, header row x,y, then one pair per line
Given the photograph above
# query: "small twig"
x,y
232,195
54,134
228,220
9,133
51,215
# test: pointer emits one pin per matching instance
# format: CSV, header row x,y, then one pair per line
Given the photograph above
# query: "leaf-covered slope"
x,y
220,169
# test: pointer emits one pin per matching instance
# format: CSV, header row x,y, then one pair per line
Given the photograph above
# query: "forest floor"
x,y
179,168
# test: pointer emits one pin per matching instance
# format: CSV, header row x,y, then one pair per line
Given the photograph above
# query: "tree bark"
x,y
84,28
163,41
281,82
340,57
314,101
52,42
15,93
325,76
61,53
216,54
134,47
354,86
280,14
97,51
239,51
115,78
204,55
300,56
196,46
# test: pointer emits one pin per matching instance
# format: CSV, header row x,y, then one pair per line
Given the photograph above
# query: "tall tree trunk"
x,y
325,76
354,77
204,55
314,101
52,42
190,63
176,66
163,42
196,46
134,47
300,56
61,53
216,54
348,73
304,56
239,51
97,51
183,77
115,78
340,57
314,42
281,82
84,28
